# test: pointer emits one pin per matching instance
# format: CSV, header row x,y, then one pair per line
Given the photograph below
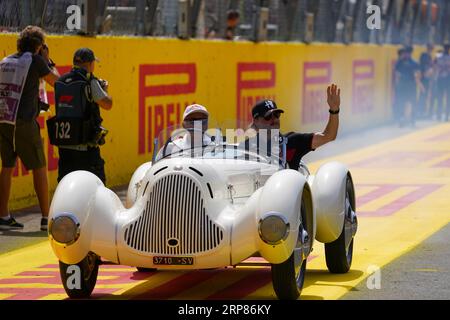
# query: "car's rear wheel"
x,y
79,279
339,253
288,277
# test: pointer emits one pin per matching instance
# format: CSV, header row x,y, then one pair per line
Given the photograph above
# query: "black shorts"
x,y
73,160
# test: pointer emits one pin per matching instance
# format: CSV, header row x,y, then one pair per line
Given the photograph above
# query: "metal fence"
x,y
344,21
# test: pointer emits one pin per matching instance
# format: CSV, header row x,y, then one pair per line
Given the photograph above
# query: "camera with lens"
x,y
43,48
102,83
43,106
100,135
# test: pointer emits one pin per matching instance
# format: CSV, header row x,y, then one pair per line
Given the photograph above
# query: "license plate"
x,y
173,261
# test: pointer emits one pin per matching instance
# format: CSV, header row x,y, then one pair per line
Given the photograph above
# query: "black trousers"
x,y
423,99
73,160
405,93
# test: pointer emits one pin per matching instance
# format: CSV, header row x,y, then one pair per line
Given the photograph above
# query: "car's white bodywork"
x,y
207,209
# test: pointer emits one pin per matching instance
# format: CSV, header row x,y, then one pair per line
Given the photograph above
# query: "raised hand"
x,y
334,97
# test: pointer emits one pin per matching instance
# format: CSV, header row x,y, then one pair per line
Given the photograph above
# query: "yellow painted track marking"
x,y
207,288
54,296
140,287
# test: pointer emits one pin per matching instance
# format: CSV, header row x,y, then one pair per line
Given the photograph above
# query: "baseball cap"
x,y
83,55
265,107
195,108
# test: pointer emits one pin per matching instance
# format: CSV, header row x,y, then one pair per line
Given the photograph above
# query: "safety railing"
x,y
343,21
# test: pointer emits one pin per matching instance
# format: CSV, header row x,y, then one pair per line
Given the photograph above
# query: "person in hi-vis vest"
x,y
20,75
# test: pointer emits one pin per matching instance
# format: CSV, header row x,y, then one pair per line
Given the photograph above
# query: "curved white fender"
x,y
133,187
76,194
328,189
244,238
105,212
282,193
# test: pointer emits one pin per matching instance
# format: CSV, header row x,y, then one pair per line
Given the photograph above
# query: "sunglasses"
x,y
275,115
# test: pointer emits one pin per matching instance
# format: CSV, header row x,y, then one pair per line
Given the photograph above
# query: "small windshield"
x,y
216,144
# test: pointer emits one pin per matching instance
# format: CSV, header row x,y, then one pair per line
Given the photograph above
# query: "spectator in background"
x,y
19,131
443,83
211,20
210,33
426,76
407,81
396,103
434,97
232,23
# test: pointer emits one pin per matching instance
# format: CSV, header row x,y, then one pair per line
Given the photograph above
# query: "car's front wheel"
x,y
288,277
79,279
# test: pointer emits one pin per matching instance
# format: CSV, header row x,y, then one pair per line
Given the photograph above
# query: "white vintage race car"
x,y
211,207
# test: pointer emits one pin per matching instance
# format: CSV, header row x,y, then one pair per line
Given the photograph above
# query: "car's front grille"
x,y
174,220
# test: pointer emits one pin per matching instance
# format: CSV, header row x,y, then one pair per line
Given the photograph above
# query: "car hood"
x,y
223,181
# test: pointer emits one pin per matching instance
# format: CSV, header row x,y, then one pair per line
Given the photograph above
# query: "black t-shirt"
x,y
407,69
426,62
298,145
29,106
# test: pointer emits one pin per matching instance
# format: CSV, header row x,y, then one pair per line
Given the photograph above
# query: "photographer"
x,y
76,129
232,24
19,108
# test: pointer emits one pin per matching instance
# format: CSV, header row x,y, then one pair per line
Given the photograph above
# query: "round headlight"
x,y
273,228
65,229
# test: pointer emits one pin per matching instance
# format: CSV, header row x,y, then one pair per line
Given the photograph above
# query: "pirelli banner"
x,y
152,80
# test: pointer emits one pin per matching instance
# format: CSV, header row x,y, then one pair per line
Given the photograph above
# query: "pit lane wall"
x,y
152,80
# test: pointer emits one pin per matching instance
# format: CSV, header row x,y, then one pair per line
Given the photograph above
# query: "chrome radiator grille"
x,y
174,220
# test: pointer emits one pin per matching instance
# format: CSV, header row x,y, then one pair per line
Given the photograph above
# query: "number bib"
x,y
65,132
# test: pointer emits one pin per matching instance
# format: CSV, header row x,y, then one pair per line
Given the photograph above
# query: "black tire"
x,y
288,277
338,259
88,271
286,284
141,269
338,256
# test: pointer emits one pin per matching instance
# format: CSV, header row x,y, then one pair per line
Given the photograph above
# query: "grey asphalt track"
x,y
423,273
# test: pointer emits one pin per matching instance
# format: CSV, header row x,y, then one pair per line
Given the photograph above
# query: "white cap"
x,y
195,108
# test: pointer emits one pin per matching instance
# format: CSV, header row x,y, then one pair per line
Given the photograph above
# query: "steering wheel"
x,y
255,155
